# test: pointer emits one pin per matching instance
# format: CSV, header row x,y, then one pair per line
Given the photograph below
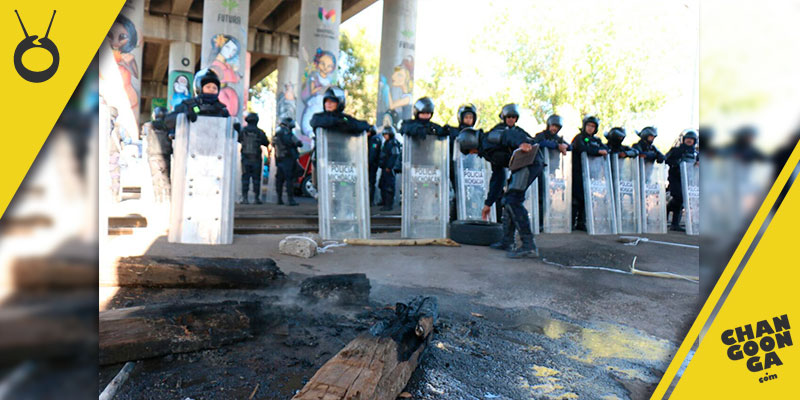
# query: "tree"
x,y
358,73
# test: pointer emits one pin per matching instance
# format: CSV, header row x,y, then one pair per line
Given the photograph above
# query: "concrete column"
x,y
319,58
181,73
286,105
396,72
127,42
224,49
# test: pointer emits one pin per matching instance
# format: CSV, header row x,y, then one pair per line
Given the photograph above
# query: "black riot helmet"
x,y
336,94
251,118
616,134
389,130
467,108
555,120
689,134
509,110
423,105
205,75
288,122
648,131
591,119
159,113
467,139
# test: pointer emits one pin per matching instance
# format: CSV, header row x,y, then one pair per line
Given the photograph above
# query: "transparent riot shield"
x,y
627,199
343,195
425,205
532,204
272,194
472,185
557,192
652,178
690,185
598,195
203,181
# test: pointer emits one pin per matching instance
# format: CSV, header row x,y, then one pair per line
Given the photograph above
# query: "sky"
x,y
446,28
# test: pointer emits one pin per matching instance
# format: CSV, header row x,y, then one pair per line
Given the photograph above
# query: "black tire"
x,y
476,233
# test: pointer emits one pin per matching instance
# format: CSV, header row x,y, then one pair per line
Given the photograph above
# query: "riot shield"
x,y
557,192
272,194
652,178
426,171
598,195
343,195
203,181
532,204
472,185
627,199
690,185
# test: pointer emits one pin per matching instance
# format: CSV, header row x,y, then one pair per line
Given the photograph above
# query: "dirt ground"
x,y
508,329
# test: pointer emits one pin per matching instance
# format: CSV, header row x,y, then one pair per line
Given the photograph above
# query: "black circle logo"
x,y
29,43
185,62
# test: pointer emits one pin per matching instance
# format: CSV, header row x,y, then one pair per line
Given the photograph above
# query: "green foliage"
x,y
358,73
265,87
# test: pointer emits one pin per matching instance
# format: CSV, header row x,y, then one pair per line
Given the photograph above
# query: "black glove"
x,y
237,126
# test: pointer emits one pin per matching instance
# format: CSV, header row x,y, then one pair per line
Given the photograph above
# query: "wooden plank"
x,y
193,272
377,365
155,330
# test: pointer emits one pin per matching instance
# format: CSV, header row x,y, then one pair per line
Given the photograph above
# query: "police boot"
x,y
676,221
257,193
279,192
527,248
244,195
291,200
507,242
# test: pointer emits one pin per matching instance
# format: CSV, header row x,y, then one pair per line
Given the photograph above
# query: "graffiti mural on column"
x,y
125,42
320,75
396,93
396,73
180,88
224,49
286,102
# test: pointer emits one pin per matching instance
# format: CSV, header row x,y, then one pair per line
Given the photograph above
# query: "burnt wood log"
x,y
345,289
193,272
148,331
378,364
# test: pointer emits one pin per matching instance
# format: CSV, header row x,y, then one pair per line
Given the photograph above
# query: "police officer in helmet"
x,y
614,138
588,142
286,155
685,151
467,116
252,138
332,116
647,150
205,102
390,164
421,126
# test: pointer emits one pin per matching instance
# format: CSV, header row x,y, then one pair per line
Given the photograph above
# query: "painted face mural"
x,y
180,89
396,92
225,62
320,76
123,39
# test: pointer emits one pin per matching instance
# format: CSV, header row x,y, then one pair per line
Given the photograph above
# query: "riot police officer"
x,y
252,138
507,137
421,126
645,146
498,157
286,152
615,137
742,147
585,141
467,117
390,164
549,137
205,102
159,149
686,151
333,117
374,143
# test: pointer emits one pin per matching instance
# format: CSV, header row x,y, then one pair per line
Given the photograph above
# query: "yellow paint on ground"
x,y
544,371
612,341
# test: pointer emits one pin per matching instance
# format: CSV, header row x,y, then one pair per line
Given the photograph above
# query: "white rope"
x,y
632,271
637,239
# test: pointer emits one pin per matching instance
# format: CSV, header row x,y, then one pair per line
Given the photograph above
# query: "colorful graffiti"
x,y
123,38
395,94
224,60
319,76
180,88
327,16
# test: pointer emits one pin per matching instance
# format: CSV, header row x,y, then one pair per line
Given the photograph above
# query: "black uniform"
x,y
390,164
159,149
675,156
286,144
373,155
339,122
420,129
452,133
252,138
591,145
515,216
202,104
615,147
650,152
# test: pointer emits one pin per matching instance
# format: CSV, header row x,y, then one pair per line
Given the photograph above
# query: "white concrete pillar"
x,y
224,49
181,73
396,72
127,42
